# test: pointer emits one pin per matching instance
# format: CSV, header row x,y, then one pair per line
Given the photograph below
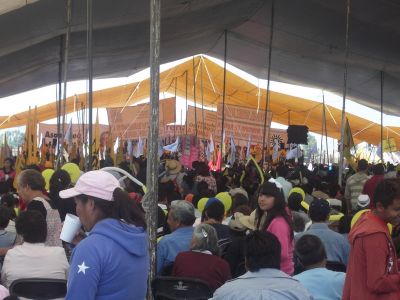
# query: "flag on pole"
x,y
139,148
120,153
30,146
173,147
96,144
68,136
5,151
248,153
129,148
210,149
211,144
232,151
160,147
110,147
348,142
223,145
389,145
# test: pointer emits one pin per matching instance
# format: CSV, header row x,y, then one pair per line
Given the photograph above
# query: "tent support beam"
x,y
202,95
194,97
90,77
186,101
265,133
341,158
223,98
63,106
326,128
152,160
176,86
382,79
59,90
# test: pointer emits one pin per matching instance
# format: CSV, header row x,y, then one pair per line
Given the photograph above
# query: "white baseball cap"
x,y
99,184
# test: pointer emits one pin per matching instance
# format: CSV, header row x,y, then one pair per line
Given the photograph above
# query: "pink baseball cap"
x,y
99,184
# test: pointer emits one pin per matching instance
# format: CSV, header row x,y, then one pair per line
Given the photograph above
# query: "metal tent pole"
x,y
223,97
194,97
265,133
322,140
382,79
176,86
202,96
186,101
341,157
152,158
326,128
63,107
59,95
90,76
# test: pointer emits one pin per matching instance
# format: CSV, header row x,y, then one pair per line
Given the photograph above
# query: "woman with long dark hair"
x,y
61,180
114,255
273,216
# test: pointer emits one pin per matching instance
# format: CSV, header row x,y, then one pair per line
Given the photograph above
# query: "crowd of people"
x,y
286,232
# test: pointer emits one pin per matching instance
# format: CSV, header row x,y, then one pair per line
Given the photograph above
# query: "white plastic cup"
x,y
70,228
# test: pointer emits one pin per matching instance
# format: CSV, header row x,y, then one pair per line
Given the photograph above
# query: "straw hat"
x,y
172,170
173,167
235,224
249,221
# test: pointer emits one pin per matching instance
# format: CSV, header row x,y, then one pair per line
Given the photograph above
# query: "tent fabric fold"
x,y
238,92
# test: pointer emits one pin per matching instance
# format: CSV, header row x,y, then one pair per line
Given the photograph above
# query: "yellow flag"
x,y
26,146
120,153
96,144
389,145
19,166
348,142
30,147
34,138
110,146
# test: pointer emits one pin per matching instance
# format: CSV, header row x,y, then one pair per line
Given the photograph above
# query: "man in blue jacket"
x,y
112,262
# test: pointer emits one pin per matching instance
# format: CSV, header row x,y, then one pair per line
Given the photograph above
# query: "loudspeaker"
x,y
297,134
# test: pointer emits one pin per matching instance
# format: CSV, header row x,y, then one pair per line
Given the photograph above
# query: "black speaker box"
x,y
297,134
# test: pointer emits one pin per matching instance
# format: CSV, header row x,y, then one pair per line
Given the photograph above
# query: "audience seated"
x,y
301,220
336,246
281,173
273,216
31,186
213,215
263,280
203,261
180,220
61,180
10,201
7,238
319,281
33,259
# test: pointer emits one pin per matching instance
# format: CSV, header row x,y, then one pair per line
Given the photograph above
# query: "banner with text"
x,y
242,123
132,122
49,132
204,129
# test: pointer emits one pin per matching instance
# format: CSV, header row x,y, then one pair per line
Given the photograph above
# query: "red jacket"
x,y
372,271
370,186
209,268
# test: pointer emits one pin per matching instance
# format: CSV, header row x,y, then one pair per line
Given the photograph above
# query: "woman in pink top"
x,y
272,215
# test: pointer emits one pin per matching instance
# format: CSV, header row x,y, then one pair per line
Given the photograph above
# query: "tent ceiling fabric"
x,y
238,92
308,46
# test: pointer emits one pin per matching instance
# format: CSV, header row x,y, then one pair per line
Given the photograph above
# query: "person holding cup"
x,y
114,255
